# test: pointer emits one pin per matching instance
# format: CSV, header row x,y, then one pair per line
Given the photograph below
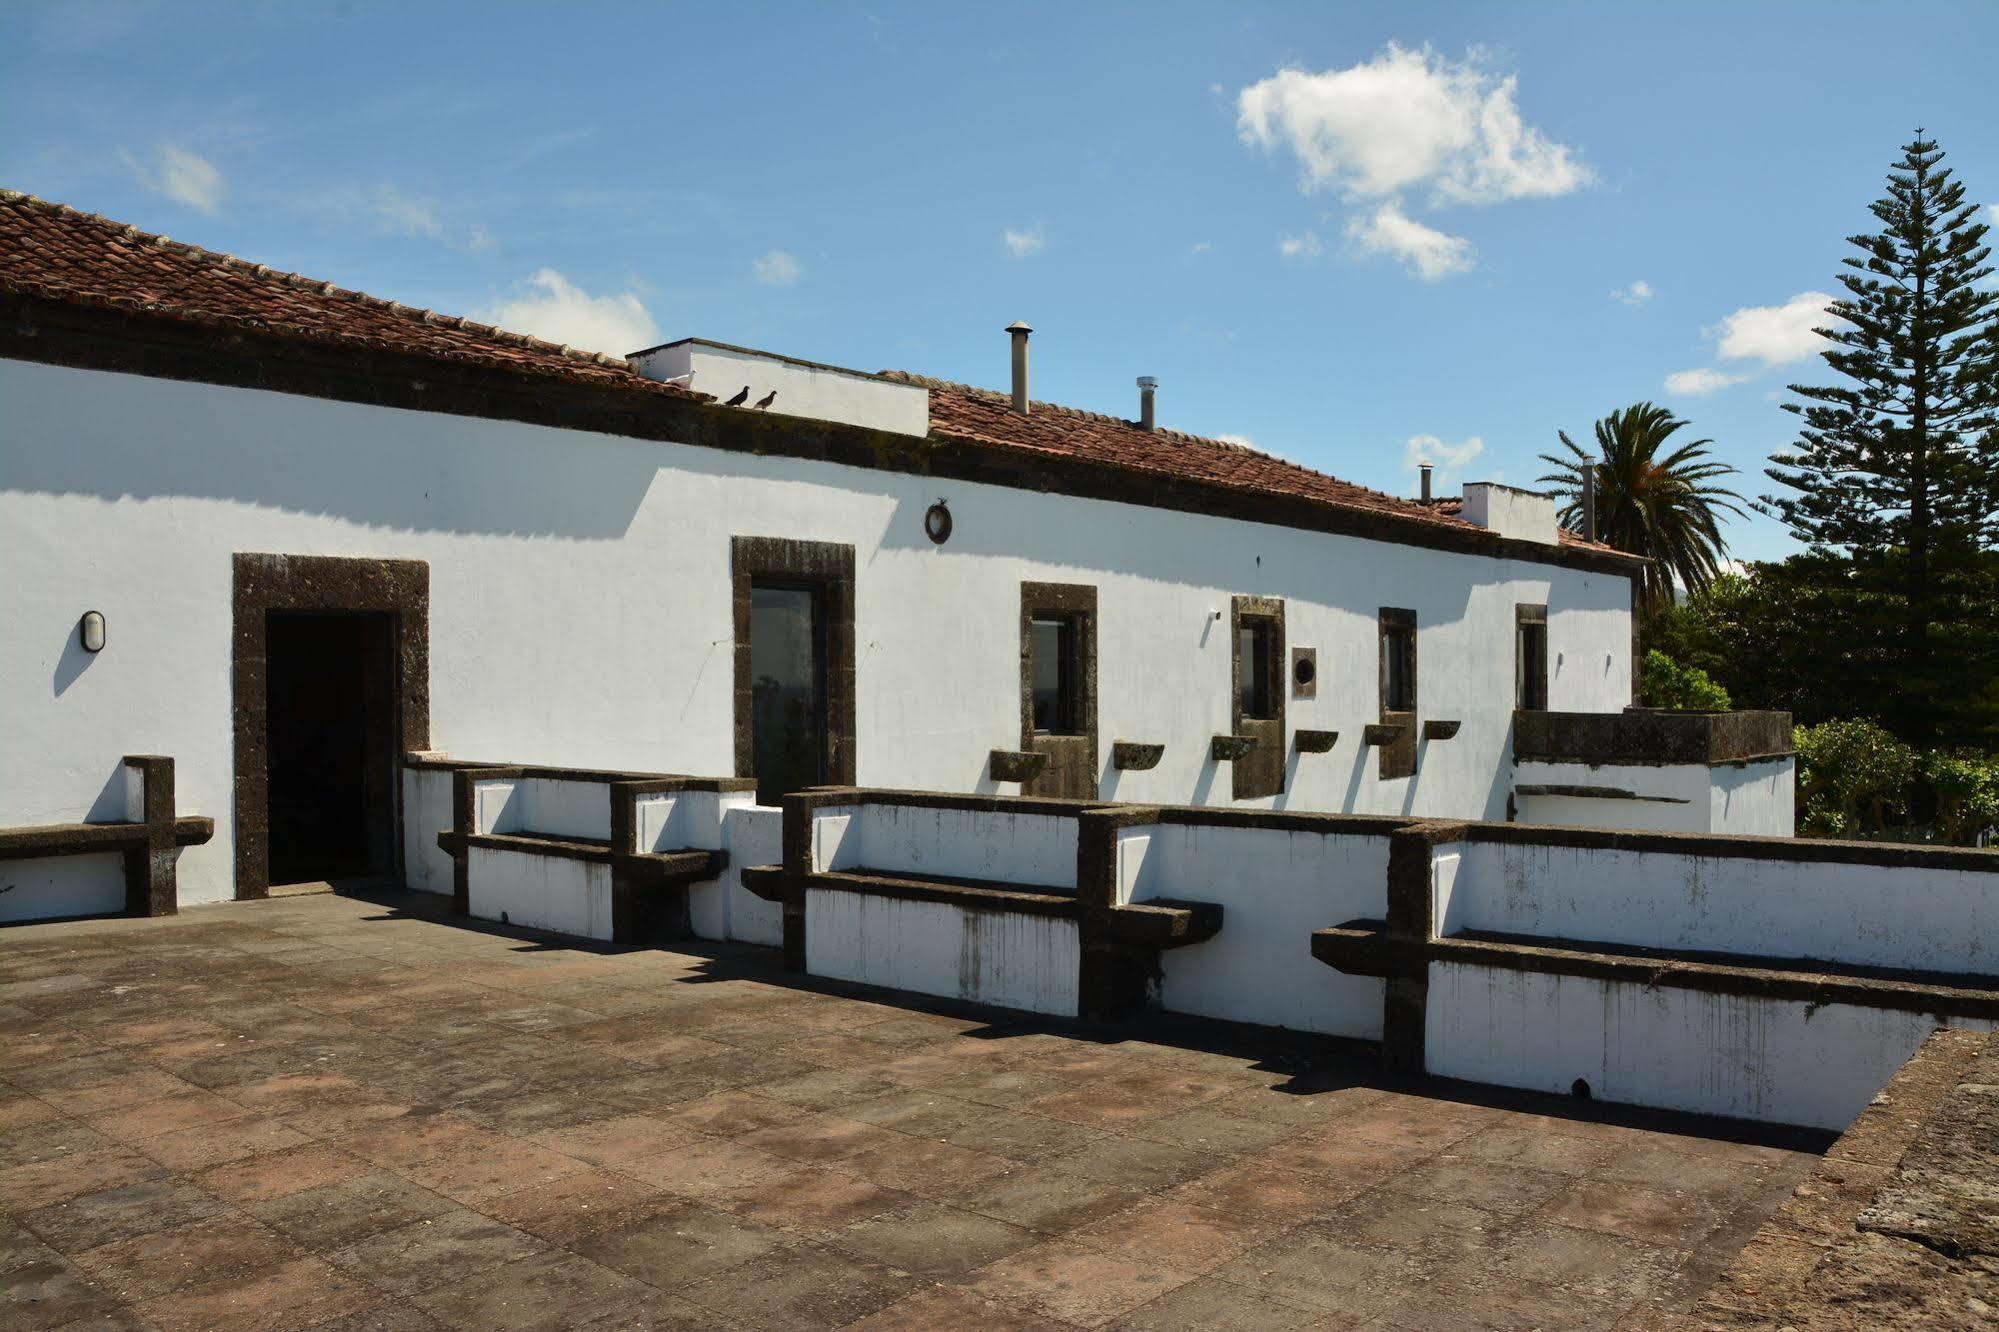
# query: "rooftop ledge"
x,y
1650,736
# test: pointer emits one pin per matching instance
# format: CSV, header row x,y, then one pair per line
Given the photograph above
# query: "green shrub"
x,y
1853,779
1664,683
1966,788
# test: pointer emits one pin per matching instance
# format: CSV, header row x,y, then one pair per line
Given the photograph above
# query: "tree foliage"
x,y
1853,779
1665,683
1897,465
1655,497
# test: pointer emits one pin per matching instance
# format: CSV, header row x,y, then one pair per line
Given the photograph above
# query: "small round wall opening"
x,y
937,523
1580,1089
1304,670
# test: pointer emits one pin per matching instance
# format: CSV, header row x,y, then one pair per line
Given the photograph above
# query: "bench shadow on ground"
x,y
1299,1063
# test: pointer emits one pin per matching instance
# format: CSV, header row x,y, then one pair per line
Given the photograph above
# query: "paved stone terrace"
x,y
344,1113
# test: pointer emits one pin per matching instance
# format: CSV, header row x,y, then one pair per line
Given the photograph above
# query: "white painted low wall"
x,y
540,892
1914,917
752,834
426,813
57,886
1275,887
1753,799
1779,1061
1007,959
1038,849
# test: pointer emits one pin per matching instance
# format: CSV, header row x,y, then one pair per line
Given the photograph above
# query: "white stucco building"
x,y
554,558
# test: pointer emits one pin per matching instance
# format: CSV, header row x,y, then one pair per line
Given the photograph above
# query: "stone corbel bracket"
x,y
1228,748
1381,733
1131,756
1014,765
1440,730
1316,742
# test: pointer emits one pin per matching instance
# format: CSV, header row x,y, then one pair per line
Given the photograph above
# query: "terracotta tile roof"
x,y
959,411
56,252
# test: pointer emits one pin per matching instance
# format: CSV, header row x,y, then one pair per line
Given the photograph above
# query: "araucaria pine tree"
x,y
1897,466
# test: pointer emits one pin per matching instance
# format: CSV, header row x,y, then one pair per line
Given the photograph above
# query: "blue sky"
x,y
1331,230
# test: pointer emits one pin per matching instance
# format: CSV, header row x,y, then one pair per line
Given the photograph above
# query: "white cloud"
x,y
1427,252
1634,295
1240,441
553,307
1774,334
1199,247
1022,243
403,215
1404,119
481,241
779,268
1300,247
1449,459
1700,381
182,175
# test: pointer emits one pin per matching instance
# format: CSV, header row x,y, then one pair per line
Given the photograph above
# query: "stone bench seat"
x,y
1367,948
146,842
680,865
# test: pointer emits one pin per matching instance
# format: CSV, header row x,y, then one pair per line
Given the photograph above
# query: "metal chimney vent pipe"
x,y
1423,469
1589,501
1147,387
1019,330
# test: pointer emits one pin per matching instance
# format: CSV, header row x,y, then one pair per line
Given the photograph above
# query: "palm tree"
x,y
1653,497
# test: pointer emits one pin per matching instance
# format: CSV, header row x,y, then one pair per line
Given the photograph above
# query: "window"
x,y
1057,701
1254,642
1530,658
1398,664
788,701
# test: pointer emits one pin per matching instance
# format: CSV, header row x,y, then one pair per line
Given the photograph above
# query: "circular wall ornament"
x,y
937,523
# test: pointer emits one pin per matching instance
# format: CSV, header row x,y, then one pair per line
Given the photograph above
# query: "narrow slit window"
x,y
1057,701
1530,659
1398,643
1254,643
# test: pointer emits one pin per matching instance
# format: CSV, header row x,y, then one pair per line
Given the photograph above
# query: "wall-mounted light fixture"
x,y
90,629
937,523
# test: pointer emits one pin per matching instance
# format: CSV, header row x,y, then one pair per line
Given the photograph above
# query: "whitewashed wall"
x,y
1754,799
52,886
1780,1061
1008,959
540,892
1275,888
722,908
580,603
1917,918
426,813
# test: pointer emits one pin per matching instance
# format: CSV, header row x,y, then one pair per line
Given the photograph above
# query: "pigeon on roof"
x,y
740,398
766,400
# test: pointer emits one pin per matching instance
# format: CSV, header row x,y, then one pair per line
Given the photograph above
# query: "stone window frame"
x,y
264,583
829,567
1261,771
1524,614
1398,756
1072,759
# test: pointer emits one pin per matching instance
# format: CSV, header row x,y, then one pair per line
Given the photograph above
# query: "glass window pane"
x,y
1397,642
1052,644
1253,650
788,690
1531,666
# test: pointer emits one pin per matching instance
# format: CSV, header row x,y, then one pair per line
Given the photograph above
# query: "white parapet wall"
x,y
1754,798
1722,896
1276,886
722,908
1775,1060
1007,959
55,887
540,892
797,388
426,813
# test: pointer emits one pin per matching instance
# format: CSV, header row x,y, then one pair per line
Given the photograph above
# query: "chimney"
x,y
1147,387
1019,331
1423,469
1589,501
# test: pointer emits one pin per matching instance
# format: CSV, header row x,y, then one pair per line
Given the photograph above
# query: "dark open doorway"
x,y
331,712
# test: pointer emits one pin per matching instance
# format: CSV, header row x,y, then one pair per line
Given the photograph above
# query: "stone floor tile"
x,y
729,1113
285,1171
1210,1305
1535,1149
50,1294
1671,1220
332,1215
1045,1198
564,1210
298,1294
942,1307
1317,1270
1185,1235
817,1200
548,1291
821,1137
190,1109
490,1165
618,1139
673,1246
189,1151
1074,1284
803,1288
933,1240
1495,1188
1267,1195
935,1170
1595,1268
109,1215
713,1170
437,1249
42,1183
225,1247
1141,1163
